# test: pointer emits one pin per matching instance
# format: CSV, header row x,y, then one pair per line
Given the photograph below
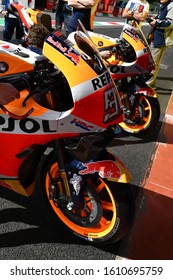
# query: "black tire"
x,y
108,209
144,117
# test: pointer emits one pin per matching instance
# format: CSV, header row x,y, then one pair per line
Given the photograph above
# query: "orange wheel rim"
x,y
147,115
109,216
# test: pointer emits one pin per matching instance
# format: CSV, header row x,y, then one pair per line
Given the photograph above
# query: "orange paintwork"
x,y
16,65
137,44
17,108
79,71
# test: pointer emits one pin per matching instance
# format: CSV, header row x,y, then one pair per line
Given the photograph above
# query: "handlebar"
x,y
40,80
20,82
14,116
120,49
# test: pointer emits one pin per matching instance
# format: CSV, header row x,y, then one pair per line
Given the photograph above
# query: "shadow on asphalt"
x,y
31,211
127,139
37,226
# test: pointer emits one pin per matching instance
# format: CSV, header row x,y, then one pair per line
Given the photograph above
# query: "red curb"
x,y
151,237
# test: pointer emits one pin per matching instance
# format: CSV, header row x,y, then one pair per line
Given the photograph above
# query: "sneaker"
x,y
116,129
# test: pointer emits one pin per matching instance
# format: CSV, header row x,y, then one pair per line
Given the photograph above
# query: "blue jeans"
x,y
84,16
60,18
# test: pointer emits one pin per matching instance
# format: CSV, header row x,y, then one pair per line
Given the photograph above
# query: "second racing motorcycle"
x,y
130,65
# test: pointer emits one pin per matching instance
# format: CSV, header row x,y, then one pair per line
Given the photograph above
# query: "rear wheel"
x,y
102,212
144,116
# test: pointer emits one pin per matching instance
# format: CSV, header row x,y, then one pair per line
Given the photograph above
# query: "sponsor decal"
x,y
27,125
100,43
105,168
64,48
135,36
101,81
110,97
75,181
3,67
130,33
15,51
111,105
117,69
81,124
5,46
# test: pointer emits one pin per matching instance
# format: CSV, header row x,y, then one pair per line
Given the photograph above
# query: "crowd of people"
x,y
67,12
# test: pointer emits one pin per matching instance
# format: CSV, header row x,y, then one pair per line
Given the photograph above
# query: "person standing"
x,y
81,11
136,10
62,15
11,22
162,36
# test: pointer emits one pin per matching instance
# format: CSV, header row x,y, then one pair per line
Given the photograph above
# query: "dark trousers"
x,y
9,27
84,16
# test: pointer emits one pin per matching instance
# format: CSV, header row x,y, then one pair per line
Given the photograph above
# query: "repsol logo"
x,y
117,69
27,125
101,81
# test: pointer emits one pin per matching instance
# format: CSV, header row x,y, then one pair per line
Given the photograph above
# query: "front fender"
x,y
147,91
108,166
125,175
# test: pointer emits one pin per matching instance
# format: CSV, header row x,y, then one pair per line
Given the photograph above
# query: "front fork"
x,y
124,95
59,189
128,89
67,186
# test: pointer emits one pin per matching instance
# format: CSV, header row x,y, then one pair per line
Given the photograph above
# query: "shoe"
x,y
116,129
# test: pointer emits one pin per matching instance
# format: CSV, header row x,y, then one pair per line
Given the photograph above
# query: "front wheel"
x,y
103,212
143,117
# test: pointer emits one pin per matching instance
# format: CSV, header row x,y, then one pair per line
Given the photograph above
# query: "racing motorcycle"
x,y
28,17
56,136
130,65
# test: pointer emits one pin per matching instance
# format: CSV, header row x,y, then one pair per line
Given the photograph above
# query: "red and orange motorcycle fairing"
x,y
15,59
22,141
118,66
86,86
